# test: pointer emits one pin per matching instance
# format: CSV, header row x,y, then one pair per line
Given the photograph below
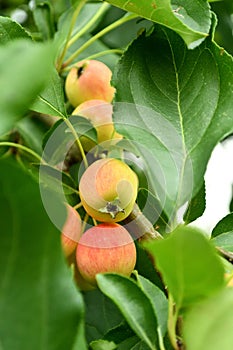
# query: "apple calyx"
x,y
112,208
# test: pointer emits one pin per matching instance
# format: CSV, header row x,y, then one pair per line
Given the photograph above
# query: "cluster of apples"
x,y
108,187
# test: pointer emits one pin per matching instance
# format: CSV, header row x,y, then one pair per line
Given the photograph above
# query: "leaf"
x,y
133,304
42,14
191,20
10,30
102,345
37,294
101,315
158,301
32,132
224,241
51,101
25,69
189,264
224,225
174,103
59,141
56,180
196,206
86,14
209,325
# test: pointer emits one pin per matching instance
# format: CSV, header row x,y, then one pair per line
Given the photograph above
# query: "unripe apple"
x,y
108,190
107,247
71,231
99,113
89,80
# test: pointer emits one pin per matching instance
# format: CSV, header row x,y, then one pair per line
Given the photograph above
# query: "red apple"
x,y
89,80
108,190
99,113
105,248
71,231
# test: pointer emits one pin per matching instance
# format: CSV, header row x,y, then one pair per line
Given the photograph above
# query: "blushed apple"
x,y
107,247
108,190
71,231
89,80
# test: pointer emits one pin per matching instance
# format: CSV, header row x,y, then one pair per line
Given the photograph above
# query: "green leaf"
x,y
191,20
158,301
25,69
189,264
133,304
174,102
102,345
196,206
101,315
32,131
56,180
10,30
51,101
42,14
209,325
224,225
41,306
224,241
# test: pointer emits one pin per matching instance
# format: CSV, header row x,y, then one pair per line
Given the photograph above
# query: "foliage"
x,y
173,104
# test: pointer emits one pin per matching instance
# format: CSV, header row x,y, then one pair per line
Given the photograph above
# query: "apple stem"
x,y
73,21
84,222
94,221
72,129
104,31
98,14
23,148
77,206
96,55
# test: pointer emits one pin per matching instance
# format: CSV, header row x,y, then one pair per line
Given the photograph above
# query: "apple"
x,y
107,247
71,231
99,113
89,80
108,190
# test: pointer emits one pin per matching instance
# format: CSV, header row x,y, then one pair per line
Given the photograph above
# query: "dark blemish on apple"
x,y
80,71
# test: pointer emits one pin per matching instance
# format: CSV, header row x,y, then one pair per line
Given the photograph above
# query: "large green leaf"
x,y
10,30
133,304
196,206
176,104
189,264
209,325
190,19
25,69
40,306
224,240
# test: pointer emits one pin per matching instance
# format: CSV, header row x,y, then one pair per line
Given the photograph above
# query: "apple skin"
x,y
107,247
71,231
89,80
99,113
108,190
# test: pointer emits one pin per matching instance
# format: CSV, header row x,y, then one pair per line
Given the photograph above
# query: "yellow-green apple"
x,y
89,80
99,113
108,190
71,231
107,247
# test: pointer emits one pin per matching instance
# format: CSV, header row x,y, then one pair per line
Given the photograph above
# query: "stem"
x,y
70,126
73,20
98,14
23,148
84,222
161,343
172,319
94,222
77,206
98,54
98,35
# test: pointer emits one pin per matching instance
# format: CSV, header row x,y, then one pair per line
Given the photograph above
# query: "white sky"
x,y
219,181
